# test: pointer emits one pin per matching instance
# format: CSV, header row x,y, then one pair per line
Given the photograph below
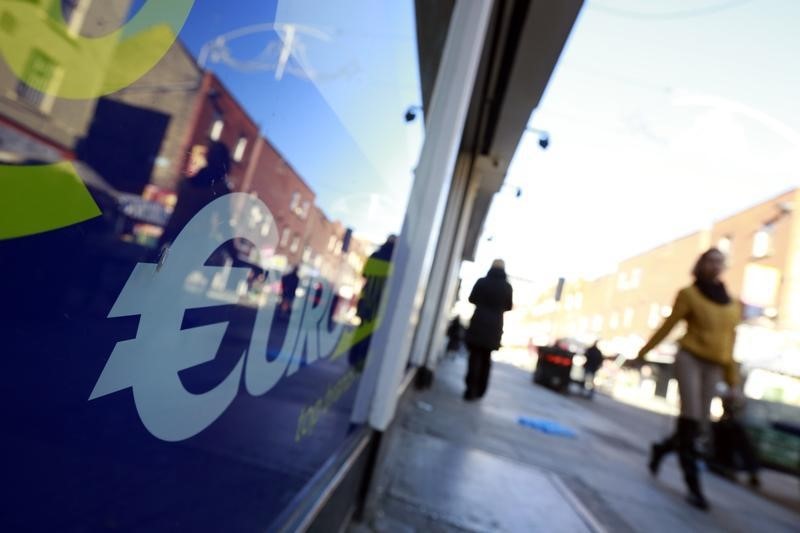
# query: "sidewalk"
x,y
453,466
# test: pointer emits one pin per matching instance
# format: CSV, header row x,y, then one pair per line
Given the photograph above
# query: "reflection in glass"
x,y
287,119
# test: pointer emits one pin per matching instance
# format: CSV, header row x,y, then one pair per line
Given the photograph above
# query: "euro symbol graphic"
x,y
149,364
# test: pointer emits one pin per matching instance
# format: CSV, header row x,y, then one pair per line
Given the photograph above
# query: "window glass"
x,y
241,146
40,74
196,230
762,242
724,245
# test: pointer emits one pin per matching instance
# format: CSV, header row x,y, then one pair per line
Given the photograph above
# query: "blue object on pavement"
x,y
547,426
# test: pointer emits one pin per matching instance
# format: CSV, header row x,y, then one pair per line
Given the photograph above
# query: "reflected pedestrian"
x,y
704,358
289,284
368,309
197,191
492,296
455,332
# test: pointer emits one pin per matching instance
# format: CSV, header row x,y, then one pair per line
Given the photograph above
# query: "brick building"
x,y
624,307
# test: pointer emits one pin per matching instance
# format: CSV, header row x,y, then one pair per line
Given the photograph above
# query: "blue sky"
x,y
341,127
664,116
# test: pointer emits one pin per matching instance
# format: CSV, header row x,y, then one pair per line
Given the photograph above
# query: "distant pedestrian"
x,y
455,333
594,360
492,296
705,356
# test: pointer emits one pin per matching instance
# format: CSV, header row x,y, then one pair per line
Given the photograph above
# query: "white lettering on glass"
x,y
149,364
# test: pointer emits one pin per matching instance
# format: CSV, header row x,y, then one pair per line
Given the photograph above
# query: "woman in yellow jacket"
x,y
704,359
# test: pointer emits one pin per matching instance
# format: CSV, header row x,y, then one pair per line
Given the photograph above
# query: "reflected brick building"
x,y
35,125
219,117
142,140
288,197
138,135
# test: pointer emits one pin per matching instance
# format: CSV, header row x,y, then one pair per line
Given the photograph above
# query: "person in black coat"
x,y
594,360
289,283
492,296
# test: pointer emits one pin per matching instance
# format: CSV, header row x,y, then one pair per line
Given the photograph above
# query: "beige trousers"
x,y
697,384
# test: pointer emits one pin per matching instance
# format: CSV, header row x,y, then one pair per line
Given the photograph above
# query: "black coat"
x,y
594,359
492,297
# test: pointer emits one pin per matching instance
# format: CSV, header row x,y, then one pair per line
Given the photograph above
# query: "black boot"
x,y
687,432
660,449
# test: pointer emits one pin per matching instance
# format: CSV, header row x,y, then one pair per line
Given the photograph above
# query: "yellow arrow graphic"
x,y
41,198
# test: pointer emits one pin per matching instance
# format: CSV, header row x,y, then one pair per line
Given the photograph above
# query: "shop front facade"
x,y
224,251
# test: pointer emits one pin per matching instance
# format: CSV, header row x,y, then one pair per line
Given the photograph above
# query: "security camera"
x,y
544,137
544,141
411,113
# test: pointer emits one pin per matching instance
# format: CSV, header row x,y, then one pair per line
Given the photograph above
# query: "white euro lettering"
x,y
149,364
315,339
261,375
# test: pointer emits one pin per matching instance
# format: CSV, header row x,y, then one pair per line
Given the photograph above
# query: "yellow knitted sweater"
x,y
711,329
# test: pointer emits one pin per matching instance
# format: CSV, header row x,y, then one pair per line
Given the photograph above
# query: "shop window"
x,y
41,74
147,140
